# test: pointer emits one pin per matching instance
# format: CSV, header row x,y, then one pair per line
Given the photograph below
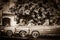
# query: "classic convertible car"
x,y
33,30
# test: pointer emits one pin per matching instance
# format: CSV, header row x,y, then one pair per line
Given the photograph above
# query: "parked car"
x,y
34,30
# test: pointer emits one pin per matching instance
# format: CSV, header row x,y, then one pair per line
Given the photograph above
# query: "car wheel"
x,y
35,34
22,33
9,33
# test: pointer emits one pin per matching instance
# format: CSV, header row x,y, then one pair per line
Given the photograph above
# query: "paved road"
x,y
27,38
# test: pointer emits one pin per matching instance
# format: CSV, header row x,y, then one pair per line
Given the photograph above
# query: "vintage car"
x,y
34,30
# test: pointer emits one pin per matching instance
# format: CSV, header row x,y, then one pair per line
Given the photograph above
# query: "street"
x,y
28,38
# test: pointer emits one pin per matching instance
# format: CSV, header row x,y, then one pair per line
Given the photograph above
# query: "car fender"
x,y
9,28
21,28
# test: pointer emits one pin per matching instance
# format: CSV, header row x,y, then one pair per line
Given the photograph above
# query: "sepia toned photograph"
x,y
29,19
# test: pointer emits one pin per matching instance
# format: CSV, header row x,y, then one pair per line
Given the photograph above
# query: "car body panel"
x,y
22,28
43,30
11,28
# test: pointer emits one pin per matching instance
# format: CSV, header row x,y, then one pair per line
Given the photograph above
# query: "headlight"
x,y
2,30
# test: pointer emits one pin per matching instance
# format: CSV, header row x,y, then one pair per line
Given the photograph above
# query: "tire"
x,y
35,34
9,33
22,33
